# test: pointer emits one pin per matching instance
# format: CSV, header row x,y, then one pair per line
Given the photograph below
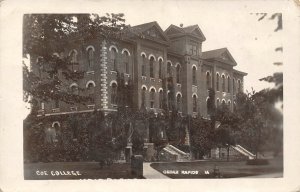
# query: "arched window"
x,y
56,104
74,89
160,99
228,85
151,63
194,103
229,104
90,57
169,69
194,76
233,85
218,81
218,103
170,101
223,83
126,62
178,71
223,103
208,106
114,93
152,98
208,80
144,97
113,58
143,65
91,90
74,61
160,68
179,102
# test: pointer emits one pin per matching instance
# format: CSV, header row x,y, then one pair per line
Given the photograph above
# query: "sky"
x,y
251,42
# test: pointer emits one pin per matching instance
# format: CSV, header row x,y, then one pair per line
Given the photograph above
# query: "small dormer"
x,y
185,40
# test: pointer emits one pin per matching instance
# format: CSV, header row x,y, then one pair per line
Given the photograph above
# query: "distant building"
x,y
155,61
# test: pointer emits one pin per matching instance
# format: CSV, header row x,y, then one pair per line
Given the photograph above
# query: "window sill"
x,y
91,106
144,77
127,74
90,72
55,110
152,79
179,84
73,108
114,105
113,71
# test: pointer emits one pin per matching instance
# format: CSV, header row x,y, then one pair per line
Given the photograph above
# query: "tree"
x,y
46,34
201,138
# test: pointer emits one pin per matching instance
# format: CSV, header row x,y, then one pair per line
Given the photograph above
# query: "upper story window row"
x,y
120,61
155,67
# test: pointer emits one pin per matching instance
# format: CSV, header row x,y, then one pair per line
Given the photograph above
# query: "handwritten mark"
x,y
279,49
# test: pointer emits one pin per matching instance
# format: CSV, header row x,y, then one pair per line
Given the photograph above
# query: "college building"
x,y
155,61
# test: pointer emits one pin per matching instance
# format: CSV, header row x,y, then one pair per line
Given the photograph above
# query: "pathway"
x,y
150,173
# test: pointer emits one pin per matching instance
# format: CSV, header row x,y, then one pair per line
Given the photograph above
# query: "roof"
x,y
213,53
239,72
187,30
143,27
139,29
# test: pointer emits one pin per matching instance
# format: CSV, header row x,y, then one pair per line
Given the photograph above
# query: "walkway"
x,y
150,173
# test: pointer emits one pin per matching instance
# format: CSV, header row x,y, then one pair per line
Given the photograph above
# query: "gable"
x,y
154,33
172,30
226,57
197,32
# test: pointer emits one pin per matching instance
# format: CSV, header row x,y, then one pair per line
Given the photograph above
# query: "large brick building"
x,y
148,56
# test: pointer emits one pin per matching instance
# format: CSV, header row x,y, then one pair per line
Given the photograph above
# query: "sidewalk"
x,y
150,173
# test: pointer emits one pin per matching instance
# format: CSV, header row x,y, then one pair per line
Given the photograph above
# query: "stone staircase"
x,y
243,151
176,153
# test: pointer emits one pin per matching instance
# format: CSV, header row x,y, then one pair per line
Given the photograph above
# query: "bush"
x,y
257,162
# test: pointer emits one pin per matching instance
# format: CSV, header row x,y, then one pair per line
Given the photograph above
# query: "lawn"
x,y
205,169
75,170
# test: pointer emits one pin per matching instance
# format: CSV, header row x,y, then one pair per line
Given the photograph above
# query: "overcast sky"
x,y
251,42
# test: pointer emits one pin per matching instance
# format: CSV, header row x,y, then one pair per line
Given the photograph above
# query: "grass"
x,y
226,169
87,170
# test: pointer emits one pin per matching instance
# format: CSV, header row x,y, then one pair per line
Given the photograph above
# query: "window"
x,y
90,58
228,85
229,103
144,97
223,103
56,104
193,49
160,68
160,99
91,91
194,103
152,98
143,65
151,63
179,103
114,59
169,101
208,80
178,71
223,83
74,62
194,76
218,79
233,85
74,89
208,106
218,103
114,93
239,86
126,62
169,69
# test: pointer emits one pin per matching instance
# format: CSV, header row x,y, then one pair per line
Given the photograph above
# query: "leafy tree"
x,y
45,34
201,137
